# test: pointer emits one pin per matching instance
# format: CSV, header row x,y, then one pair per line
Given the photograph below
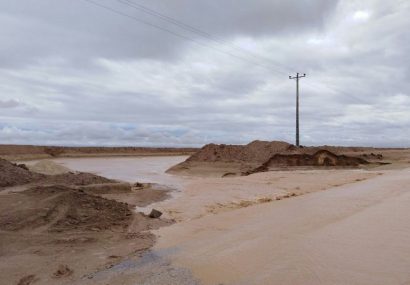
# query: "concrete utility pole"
x,y
297,77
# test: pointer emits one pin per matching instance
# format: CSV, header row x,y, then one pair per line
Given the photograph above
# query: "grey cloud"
x,y
88,76
79,30
8,104
255,18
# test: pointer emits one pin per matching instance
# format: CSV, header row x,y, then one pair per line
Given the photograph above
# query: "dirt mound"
x,y
48,167
320,158
232,160
218,160
256,151
12,174
67,218
63,209
78,179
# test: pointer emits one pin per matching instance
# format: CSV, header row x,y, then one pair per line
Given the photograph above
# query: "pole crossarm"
x,y
297,77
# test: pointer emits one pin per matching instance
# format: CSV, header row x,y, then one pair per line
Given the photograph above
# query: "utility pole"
x,y
297,77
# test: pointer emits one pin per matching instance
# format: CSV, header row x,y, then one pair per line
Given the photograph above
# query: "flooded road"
x,y
356,233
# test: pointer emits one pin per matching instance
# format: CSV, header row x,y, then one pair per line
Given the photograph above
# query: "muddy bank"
x,y
62,209
321,158
139,194
12,174
60,229
16,174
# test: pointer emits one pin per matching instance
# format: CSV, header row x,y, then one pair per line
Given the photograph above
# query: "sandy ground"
x,y
352,234
283,227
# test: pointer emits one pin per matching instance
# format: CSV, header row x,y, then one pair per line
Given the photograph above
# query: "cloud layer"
x,y
75,73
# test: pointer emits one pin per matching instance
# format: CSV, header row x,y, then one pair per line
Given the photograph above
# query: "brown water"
x,y
356,234
130,169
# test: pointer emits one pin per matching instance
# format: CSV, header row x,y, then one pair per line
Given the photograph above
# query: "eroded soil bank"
x,y
62,229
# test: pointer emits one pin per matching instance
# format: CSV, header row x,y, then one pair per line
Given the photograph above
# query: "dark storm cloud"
x,y
79,30
76,31
254,18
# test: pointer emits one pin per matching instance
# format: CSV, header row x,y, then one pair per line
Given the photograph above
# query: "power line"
x,y
192,29
197,31
177,34
354,98
217,40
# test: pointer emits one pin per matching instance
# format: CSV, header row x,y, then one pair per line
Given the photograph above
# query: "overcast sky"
x,y
187,73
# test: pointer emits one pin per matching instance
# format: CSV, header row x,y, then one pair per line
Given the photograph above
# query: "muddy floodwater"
x,y
130,169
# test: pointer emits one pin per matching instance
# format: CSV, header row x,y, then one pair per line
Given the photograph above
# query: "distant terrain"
x,y
26,152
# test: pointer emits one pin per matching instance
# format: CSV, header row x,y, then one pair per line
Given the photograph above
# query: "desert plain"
x,y
263,213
